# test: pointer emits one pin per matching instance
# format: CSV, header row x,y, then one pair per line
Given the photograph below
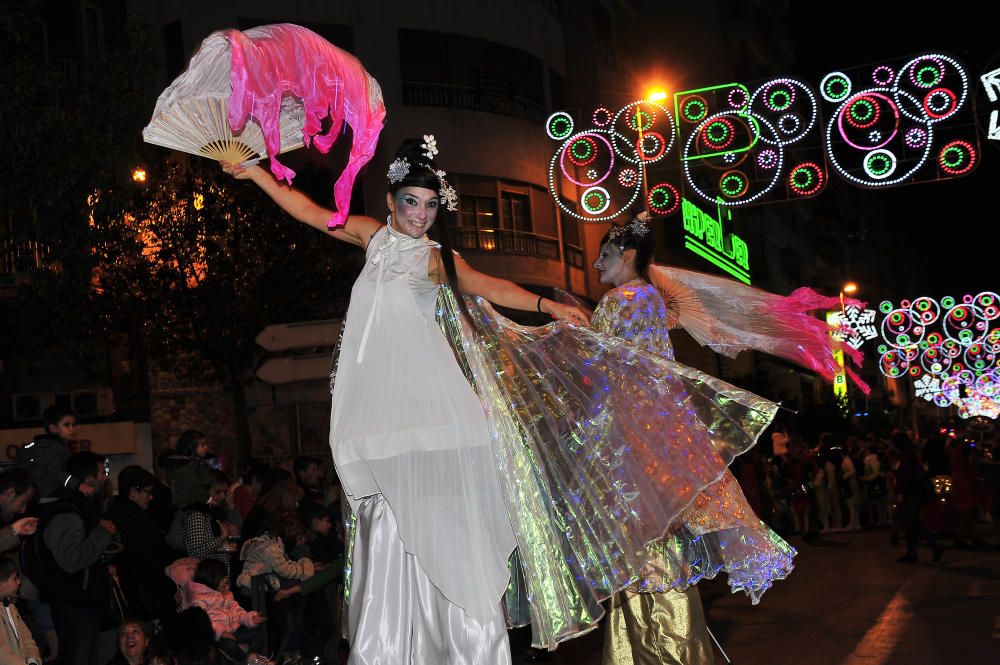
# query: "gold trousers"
x,y
656,628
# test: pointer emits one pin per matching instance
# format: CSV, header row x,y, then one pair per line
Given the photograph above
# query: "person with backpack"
x,y
64,558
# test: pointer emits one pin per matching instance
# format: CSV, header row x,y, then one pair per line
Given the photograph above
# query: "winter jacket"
x,y
16,644
140,564
265,555
45,459
225,613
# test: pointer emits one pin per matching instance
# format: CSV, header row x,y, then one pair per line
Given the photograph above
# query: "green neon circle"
x,y
695,116
809,178
928,68
739,182
844,88
867,105
587,154
780,106
719,139
960,156
873,160
560,133
600,202
647,120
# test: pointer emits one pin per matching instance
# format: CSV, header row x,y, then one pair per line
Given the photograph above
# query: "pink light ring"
x,y
948,109
767,159
806,94
843,111
832,155
911,69
587,134
883,75
558,199
687,160
915,138
601,117
737,104
941,60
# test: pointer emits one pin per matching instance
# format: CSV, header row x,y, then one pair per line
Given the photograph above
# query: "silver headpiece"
x,y
638,227
400,168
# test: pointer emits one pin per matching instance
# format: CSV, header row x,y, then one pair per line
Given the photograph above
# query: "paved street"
x,y
849,603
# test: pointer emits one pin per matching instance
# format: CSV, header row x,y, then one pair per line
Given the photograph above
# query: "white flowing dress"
x,y
406,424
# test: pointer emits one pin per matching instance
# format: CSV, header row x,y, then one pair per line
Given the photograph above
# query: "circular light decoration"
x,y
989,303
767,159
779,96
940,103
734,184
718,134
925,310
655,120
883,75
559,125
596,200
592,174
862,112
806,179
783,98
893,363
849,149
627,177
926,75
651,146
699,166
879,164
561,167
663,199
957,157
934,361
900,330
965,324
915,137
737,98
789,123
694,108
926,72
835,86
601,117
582,151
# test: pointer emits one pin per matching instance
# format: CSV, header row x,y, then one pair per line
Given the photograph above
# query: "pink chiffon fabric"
x,y
730,317
272,61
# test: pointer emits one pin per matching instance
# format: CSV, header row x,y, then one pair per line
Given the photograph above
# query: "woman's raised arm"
x,y
357,230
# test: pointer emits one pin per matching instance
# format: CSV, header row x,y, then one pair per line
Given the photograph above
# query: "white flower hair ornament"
x,y
430,146
399,169
448,194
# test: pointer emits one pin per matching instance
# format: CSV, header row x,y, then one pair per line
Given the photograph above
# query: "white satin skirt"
x,y
398,617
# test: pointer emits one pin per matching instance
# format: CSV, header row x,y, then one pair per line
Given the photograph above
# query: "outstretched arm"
x,y
357,230
508,294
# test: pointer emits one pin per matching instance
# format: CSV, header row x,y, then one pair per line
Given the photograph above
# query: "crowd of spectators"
x,y
173,565
942,485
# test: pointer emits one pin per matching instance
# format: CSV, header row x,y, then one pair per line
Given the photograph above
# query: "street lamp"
x,y
657,95
850,288
139,175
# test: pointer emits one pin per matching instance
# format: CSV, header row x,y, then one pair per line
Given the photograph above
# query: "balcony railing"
x,y
22,255
504,241
574,255
472,99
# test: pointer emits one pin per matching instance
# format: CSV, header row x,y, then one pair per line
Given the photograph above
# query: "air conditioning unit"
x,y
29,406
93,402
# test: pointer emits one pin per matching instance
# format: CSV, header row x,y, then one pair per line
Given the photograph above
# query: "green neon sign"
x,y
705,237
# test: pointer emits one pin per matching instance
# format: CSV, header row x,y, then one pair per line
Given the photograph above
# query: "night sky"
x,y
950,226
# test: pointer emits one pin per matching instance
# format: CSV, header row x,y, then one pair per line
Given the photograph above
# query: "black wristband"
x,y
538,305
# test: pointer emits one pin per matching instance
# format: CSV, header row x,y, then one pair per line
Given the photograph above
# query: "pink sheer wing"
x,y
729,317
271,62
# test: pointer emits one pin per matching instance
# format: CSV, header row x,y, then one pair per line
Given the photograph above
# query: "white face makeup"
x,y
414,210
612,268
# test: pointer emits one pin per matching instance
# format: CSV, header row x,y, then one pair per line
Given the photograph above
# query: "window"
x,y
516,211
479,212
